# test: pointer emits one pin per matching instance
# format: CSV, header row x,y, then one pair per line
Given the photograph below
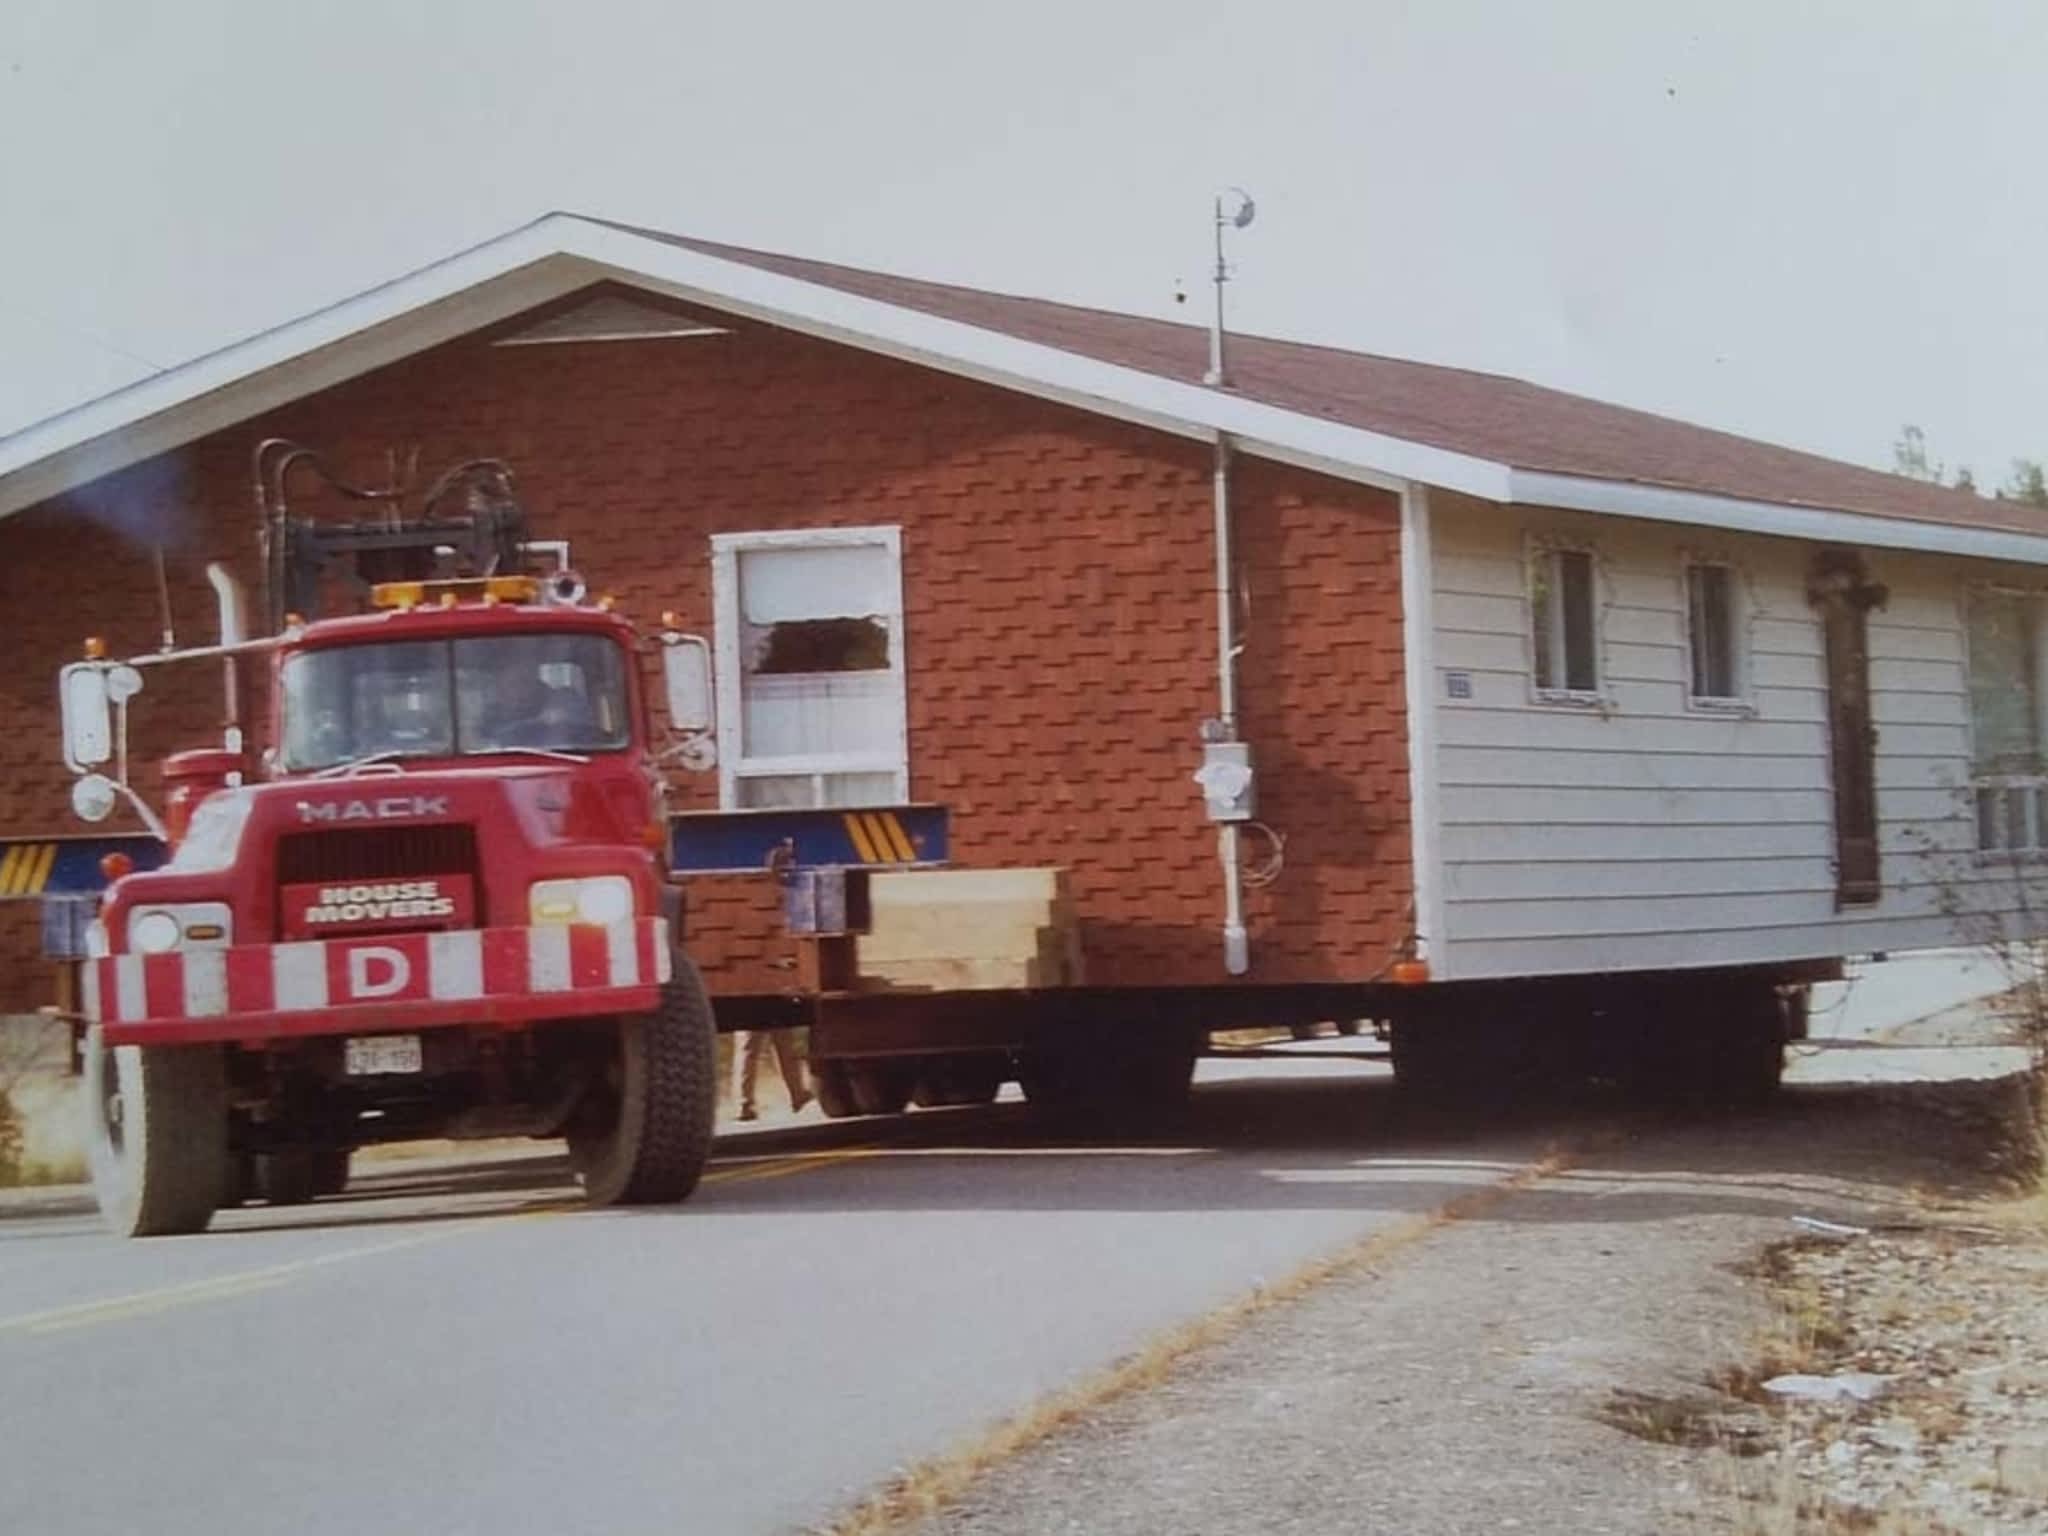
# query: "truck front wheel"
x,y
156,1135
644,1132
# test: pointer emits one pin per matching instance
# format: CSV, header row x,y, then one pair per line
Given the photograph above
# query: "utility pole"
x,y
1240,216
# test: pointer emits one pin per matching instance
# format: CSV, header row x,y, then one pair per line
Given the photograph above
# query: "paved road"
x,y
463,1350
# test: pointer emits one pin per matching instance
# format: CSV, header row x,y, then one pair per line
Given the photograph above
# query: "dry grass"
x,y
33,1174
929,1486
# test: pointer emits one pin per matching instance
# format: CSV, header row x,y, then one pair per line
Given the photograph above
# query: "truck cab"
x,y
435,906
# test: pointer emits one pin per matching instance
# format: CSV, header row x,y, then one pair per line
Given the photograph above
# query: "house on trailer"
x,y
1484,683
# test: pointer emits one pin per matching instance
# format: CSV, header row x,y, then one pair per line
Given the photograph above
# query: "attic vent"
x,y
611,318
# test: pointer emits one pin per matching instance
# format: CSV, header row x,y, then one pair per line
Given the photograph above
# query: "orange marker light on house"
x,y
1409,973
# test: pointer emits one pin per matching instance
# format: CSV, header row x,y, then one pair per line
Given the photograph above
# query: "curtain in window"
x,y
2002,717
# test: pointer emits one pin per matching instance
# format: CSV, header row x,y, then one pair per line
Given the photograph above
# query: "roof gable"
x,y
1378,420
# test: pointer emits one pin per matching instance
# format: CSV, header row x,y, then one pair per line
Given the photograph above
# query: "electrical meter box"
x,y
1229,788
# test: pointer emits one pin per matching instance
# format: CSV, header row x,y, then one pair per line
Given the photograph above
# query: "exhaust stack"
x,y
234,630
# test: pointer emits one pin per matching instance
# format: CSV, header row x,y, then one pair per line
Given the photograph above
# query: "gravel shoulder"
x,y
1558,1360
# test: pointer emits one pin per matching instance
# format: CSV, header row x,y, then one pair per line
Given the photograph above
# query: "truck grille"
x,y
354,855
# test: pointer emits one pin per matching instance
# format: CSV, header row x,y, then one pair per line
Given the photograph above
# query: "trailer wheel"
x,y
1745,1055
645,1135
834,1088
1141,1083
156,1135
1429,1067
298,1175
882,1087
953,1081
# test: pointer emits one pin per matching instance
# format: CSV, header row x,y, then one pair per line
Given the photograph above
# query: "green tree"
x,y
2027,482
1909,456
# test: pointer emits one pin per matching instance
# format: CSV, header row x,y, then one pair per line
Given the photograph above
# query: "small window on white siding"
x,y
1713,633
2008,646
1563,623
810,668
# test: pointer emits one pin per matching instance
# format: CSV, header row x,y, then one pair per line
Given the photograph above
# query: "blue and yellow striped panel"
x,y
879,837
25,868
67,866
899,835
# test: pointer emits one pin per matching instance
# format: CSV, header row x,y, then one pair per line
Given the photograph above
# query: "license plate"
x,y
372,1055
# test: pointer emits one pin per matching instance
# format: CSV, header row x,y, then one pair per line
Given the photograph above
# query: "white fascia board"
x,y
560,253
436,304
1661,504
994,357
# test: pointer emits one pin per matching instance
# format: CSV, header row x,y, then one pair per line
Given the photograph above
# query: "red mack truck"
x,y
435,903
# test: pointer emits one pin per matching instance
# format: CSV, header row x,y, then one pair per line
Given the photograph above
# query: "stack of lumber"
x,y
976,930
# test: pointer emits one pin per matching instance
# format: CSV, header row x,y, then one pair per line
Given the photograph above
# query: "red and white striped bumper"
x,y
410,981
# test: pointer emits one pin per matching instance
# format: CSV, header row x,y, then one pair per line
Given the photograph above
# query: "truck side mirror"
x,y
686,676
88,716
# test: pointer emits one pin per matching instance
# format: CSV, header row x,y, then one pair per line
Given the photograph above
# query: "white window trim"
x,y
1742,618
2006,852
1541,547
725,594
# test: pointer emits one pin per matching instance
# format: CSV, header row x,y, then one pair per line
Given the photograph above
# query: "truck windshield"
x,y
453,698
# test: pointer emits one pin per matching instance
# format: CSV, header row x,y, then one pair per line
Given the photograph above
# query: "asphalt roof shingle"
x,y
1488,416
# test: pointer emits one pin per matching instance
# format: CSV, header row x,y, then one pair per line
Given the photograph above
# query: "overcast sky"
x,y
1810,222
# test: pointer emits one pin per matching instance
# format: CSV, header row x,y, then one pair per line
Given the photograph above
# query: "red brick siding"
x,y
1059,612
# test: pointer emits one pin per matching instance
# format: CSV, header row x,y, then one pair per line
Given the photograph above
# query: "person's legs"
x,y
791,1065
746,1055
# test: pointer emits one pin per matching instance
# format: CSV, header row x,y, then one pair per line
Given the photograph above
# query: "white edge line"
x,y
1418,649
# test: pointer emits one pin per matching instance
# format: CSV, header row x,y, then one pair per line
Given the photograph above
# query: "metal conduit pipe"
x,y
1237,958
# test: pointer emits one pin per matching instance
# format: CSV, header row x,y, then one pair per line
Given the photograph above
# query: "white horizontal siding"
x,y
1647,832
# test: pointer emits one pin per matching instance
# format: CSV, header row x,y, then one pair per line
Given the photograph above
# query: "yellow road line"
x,y
802,1162
220,1287
251,1281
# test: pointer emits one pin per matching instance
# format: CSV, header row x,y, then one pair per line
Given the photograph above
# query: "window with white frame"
x,y
1563,619
810,668
1713,634
2007,631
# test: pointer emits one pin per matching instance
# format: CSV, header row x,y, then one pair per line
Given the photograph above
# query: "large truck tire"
x,y
646,1139
298,1175
156,1135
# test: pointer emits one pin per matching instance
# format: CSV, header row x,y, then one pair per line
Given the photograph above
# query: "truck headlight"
x,y
154,932
599,899
185,924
